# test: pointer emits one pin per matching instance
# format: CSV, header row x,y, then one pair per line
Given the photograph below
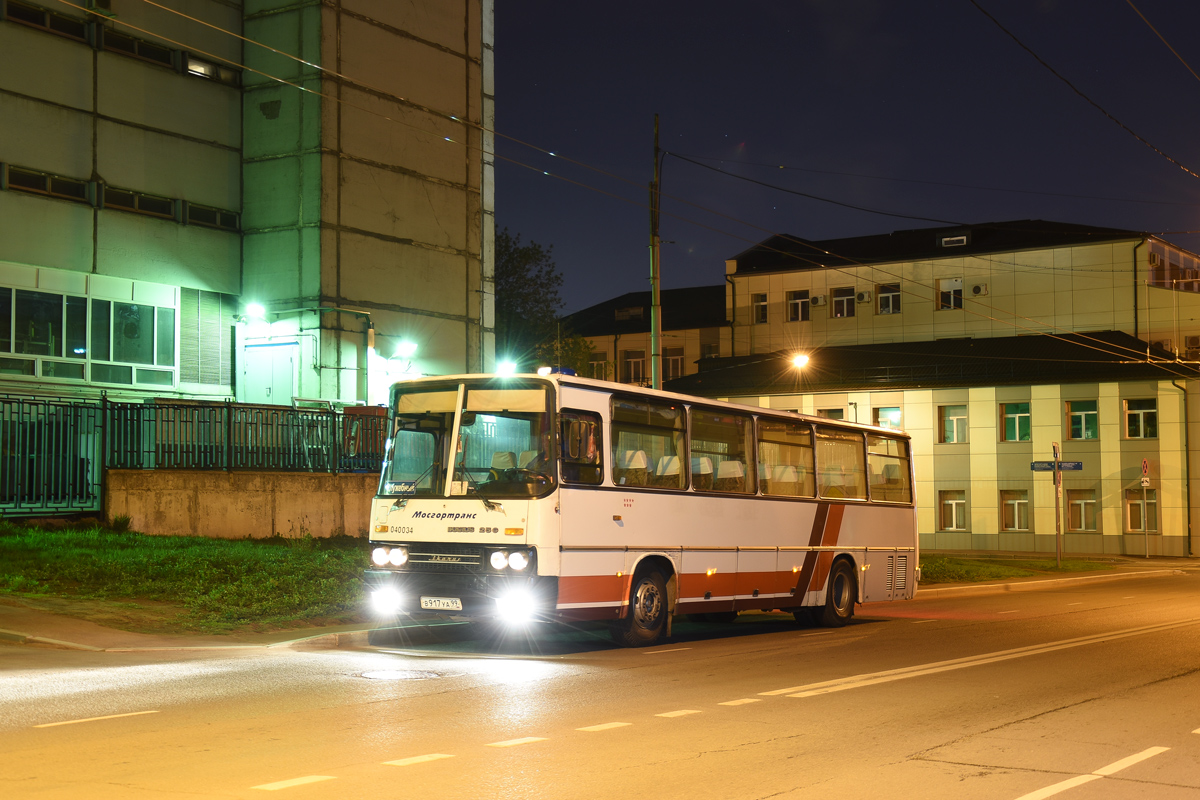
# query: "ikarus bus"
x,y
561,498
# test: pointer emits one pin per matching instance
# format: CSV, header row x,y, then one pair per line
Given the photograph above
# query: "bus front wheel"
x,y
647,616
839,597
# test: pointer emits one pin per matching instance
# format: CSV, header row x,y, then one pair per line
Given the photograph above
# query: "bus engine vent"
x,y
444,557
901,582
890,574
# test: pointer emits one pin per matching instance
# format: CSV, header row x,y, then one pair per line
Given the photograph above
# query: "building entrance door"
x,y
269,373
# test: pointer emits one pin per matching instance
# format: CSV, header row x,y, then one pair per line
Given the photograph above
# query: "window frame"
x,y
758,308
958,510
1083,416
1018,500
950,294
889,292
1134,499
1146,417
799,306
1085,500
842,297
943,418
1027,415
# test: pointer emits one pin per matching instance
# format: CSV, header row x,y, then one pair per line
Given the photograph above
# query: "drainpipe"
x,y
1136,333
1187,467
732,315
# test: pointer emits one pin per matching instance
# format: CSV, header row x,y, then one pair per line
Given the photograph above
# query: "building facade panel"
x,y
44,66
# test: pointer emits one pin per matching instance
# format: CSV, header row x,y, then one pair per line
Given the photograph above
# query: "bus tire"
x,y
840,595
647,617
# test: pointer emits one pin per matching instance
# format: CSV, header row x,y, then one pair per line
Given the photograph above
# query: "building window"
x,y
633,312
65,336
633,367
954,510
953,424
137,48
210,70
831,413
1081,509
27,180
1014,510
889,298
843,301
950,293
1141,419
1016,421
672,363
1082,420
139,203
1141,510
211,217
797,305
710,350
887,417
758,308
48,21
598,366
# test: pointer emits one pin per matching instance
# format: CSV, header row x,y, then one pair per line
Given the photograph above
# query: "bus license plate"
x,y
441,603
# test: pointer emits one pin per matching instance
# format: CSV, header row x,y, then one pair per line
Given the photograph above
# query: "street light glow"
x,y
255,311
506,368
800,361
406,349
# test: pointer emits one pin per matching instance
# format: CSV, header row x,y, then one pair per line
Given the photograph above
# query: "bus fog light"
x,y
386,601
516,606
398,556
518,560
499,559
379,556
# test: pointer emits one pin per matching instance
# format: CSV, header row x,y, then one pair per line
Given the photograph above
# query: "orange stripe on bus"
x,y
593,589
829,538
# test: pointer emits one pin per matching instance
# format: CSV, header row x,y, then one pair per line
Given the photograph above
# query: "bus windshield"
x,y
502,447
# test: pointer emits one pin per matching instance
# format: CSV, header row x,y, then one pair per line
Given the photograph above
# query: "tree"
x,y
527,299
567,349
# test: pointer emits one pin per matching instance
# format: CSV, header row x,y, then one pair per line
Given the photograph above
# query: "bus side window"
x,y
888,460
647,444
841,471
582,445
785,458
720,448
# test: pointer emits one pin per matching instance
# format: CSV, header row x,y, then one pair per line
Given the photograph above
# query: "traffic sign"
x,y
1145,482
1145,467
1048,466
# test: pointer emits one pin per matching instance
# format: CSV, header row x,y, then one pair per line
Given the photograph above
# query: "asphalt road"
x,y
1086,692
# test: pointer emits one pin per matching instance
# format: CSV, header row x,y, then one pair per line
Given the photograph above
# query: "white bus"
x,y
563,498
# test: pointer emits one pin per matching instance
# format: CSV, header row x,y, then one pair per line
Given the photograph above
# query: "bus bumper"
x,y
392,593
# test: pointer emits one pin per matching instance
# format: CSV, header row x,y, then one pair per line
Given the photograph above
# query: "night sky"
x,y
866,102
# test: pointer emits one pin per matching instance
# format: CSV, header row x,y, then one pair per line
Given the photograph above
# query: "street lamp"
x,y
800,361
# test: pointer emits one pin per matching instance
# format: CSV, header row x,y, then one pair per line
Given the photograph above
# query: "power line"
x,y
949,184
1077,91
1163,40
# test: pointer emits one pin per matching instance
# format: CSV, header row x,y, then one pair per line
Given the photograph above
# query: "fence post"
x,y
104,456
228,435
336,450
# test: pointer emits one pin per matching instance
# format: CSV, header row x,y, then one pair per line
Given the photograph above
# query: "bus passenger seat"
x,y
702,477
731,477
784,480
501,460
666,474
526,458
631,468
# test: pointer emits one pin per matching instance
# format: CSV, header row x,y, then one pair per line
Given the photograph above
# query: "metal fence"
x,y
52,452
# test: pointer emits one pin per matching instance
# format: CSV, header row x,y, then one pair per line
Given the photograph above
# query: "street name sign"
x,y
1048,466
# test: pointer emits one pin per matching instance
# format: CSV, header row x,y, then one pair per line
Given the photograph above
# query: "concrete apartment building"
x,y
989,344
162,179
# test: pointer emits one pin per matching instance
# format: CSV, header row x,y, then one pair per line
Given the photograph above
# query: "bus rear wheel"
x,y
647,617
839,597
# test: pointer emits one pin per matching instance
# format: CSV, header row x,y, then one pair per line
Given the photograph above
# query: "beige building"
x,y
187,214
990,344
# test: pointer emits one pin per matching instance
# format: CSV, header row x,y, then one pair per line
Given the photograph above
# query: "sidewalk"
x,y
24,625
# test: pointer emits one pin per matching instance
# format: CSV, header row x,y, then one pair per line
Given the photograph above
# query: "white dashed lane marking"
x,y
1079,780
741,702
515,742
404,762
672,650
1014,611
607,726
275,787
922,621
94,719
686,711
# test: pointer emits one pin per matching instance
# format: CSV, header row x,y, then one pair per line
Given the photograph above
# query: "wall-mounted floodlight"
x,y
506,368
800,361
406,349
255,311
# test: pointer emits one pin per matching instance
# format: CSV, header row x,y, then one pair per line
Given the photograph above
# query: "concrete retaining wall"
x,y
235,505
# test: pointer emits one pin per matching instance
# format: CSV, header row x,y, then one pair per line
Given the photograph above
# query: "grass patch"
x,y
213,585
943,569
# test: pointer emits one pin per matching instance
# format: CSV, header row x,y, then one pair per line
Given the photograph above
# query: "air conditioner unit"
x,y
863,297
1191,354
818,300
979,290
1162,344
1191,341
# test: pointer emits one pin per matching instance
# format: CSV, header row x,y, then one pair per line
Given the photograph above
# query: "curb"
x,y
320,641
1032,586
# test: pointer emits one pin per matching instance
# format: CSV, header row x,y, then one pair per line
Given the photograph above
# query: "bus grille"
x,y
443,557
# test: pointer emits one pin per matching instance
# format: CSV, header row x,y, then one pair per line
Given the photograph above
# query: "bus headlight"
x,y
386,601
516,606
379,556
518,560
499,559
398,556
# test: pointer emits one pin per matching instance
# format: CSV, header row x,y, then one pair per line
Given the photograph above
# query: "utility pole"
x,y
655,301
